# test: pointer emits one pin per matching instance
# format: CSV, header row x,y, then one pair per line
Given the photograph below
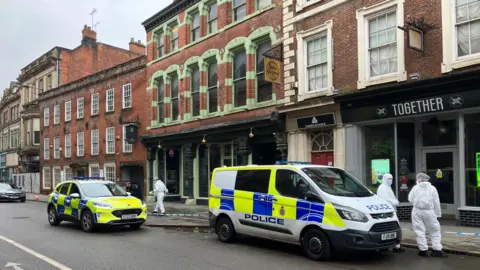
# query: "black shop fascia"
x,y
451,92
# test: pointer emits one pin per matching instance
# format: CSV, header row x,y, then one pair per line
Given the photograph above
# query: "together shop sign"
x,y
352,113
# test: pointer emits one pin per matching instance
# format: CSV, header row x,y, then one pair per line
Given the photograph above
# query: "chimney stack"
x,y
88,35
137,47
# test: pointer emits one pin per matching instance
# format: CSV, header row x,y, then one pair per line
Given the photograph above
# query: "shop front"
x,y
430,126
315,134
185,160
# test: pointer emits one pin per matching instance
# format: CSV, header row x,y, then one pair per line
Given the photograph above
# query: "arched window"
x,y
322,141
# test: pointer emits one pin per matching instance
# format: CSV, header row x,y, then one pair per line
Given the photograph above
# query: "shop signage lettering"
x,y
418,106
316,121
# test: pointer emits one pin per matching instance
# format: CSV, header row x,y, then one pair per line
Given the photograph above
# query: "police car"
x,y
323,209
94,203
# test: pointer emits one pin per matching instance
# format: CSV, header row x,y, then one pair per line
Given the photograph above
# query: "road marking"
x,y
15,266
36,254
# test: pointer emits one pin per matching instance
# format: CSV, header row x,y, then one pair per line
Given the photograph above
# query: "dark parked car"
x,y
10,192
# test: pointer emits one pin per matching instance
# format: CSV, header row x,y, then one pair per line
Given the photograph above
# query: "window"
x,y
317,63
94,171
253,180
5,117
94,138
264,88
49,82
195,31
382,44
379,153
56,114
74,189
47,178
160,44
212,87
239,9
263,3
174,38
80,144
68,111
46,149
46,116
127,96
336,182
174,98
15,137
110,99
57,175
40,89
95,104
161,101
212,18
56,147
68,174
290,184
63,189
240,79
80,108
5,139
36,131
127,147
110,173
468,27
110,140
195,91
68,145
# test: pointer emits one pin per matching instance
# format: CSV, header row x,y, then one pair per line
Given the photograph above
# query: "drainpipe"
x,y
58,75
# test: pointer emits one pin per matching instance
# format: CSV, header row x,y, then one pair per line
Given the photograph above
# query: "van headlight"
x,y
102,205
351,214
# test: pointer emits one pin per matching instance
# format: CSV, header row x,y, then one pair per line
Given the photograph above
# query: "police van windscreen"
x,y
337,182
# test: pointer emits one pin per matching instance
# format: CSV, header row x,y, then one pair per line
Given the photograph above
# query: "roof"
x,y
166,13
275,166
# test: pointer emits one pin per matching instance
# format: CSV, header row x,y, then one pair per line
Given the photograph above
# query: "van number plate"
x,y
132,216
389,236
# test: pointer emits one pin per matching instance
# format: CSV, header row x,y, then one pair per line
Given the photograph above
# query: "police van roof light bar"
x,y
88,178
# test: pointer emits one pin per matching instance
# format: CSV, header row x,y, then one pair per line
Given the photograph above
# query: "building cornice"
x,y
168,12
40,64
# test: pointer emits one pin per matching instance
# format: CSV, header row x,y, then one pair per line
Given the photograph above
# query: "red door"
x,y
323,158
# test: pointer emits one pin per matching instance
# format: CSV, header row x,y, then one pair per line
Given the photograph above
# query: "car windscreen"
x,y
7,186
107,189
336,182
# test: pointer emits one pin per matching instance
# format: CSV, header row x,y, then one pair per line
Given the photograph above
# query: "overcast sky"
x,y
32,27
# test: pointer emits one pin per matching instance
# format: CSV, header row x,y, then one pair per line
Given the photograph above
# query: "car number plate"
x,y
131,216
389,236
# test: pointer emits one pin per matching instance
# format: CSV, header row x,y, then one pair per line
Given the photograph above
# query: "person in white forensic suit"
x,y
385,192
160,191
425,214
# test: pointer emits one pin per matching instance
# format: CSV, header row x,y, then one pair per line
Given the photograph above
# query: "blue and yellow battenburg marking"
x,y
284,207
65,205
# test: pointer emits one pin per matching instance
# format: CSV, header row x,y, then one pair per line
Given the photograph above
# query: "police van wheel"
x,y
316,245
52,216
225,230
86,221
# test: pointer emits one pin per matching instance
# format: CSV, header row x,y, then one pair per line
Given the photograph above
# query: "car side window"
x,y
64,189
74,189
253,180
290,184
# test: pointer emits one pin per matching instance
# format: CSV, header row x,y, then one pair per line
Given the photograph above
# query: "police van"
x,y
323,209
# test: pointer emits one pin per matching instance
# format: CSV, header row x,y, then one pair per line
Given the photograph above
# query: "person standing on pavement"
x,y
128,187
425,214
385,192
160,191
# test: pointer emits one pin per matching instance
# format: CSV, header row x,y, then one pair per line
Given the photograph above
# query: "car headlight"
x,y
102,205
144,204
351,214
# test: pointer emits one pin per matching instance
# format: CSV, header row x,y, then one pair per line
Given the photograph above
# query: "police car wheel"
x,y
225,230
86,221
316,245
52,216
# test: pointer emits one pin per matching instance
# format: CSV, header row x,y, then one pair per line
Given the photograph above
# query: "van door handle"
x,y
261,198
274,199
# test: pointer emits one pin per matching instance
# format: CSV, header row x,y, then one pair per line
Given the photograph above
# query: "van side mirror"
x,y
129,194
75,196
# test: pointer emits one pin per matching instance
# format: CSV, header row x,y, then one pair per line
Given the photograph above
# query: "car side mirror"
x,y
129,194
75,196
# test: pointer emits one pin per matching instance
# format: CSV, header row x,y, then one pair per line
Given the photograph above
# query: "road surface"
x,y
27,241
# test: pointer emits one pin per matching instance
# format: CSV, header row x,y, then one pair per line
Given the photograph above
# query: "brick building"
x,y
85,124
57,67
402,104
211,104
9,132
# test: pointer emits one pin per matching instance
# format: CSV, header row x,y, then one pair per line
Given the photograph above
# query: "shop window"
x,y
253,180
172,179
379,154
322,141
472,159
436,132
203,173
406,160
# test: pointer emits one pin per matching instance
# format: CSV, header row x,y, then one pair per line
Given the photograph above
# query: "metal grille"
x,y
382,215
385,226
119,213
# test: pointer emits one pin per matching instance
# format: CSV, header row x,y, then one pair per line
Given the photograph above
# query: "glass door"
x,y
442,167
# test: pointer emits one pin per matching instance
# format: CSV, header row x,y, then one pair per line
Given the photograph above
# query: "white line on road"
x,y
36,254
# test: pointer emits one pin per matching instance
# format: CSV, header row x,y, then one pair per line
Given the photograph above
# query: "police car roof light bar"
x,y
88,178
285,162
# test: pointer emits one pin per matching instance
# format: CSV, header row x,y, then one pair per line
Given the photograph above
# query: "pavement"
x,y
194,218
28,242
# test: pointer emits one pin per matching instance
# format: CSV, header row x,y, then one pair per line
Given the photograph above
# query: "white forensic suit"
x,y
426,210
385,192
160,191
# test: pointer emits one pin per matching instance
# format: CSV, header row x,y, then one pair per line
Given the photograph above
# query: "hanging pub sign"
x,y
272,62
316,121
131,133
